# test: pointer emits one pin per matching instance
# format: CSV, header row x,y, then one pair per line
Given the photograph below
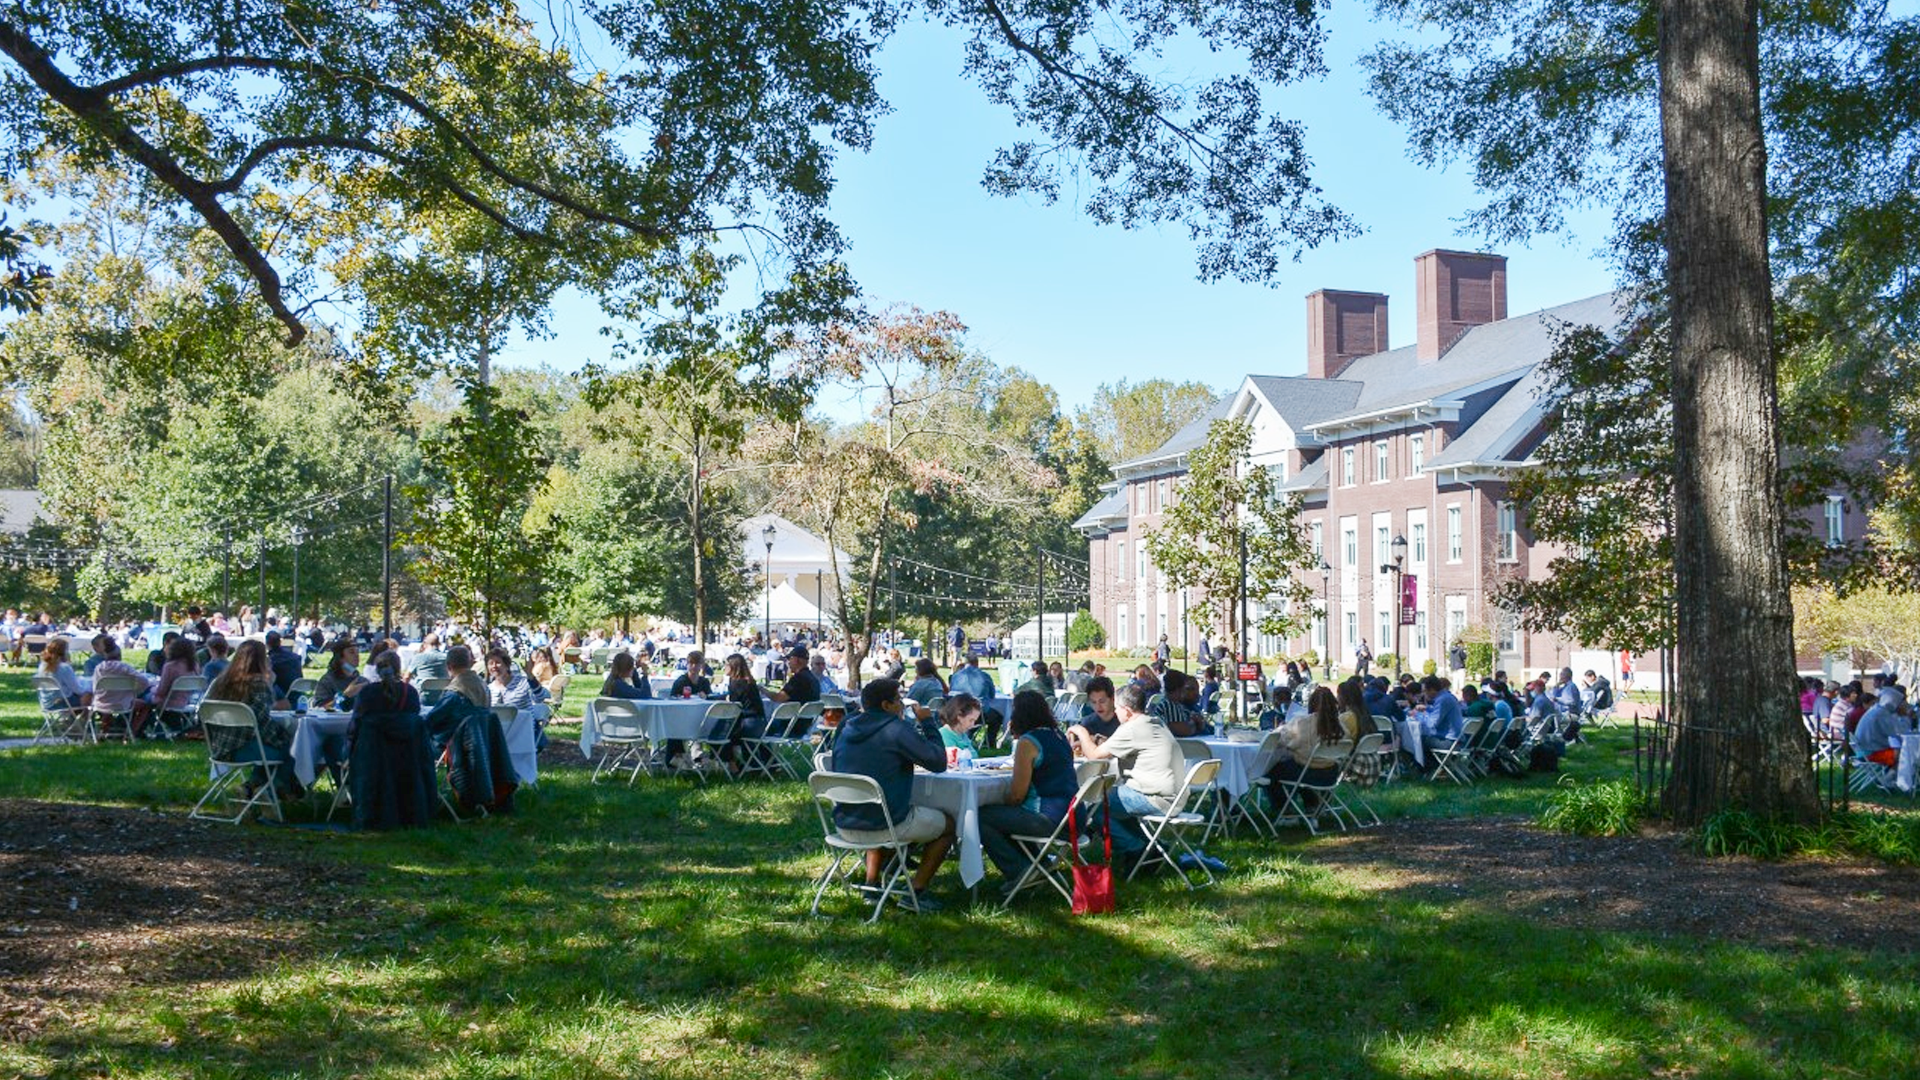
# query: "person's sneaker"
x,y
909,897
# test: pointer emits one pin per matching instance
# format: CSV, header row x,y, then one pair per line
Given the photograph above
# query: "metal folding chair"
x,y
622,738
831,789
234,750
1175,821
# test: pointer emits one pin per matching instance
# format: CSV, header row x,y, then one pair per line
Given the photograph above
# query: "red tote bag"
x,y
1092,882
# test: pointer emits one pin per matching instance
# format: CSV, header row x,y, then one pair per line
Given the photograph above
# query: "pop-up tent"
x,y
799,560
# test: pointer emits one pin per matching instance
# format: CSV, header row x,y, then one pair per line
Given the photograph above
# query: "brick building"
x,y
1384,444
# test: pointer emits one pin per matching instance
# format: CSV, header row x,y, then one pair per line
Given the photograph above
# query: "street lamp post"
x,y
767,534
1398,569
1326,616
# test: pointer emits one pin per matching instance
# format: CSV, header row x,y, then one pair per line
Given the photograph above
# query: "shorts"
x,y
1889,757
920,826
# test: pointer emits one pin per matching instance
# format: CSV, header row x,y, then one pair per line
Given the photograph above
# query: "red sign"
x,y
1251,673
1409,599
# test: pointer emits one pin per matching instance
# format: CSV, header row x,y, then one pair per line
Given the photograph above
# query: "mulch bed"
x,y
93,899
1653,883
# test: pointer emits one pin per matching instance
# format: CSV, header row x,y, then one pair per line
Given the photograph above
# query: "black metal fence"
x,y
1709,761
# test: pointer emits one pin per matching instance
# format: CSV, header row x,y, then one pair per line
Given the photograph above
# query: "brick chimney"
x,y
1457,290
1342,326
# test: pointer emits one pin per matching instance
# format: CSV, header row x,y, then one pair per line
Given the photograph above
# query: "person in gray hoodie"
x,y
1874,738
881,743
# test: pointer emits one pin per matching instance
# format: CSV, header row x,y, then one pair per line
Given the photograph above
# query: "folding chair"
x,y
1365,746
108,719
1293,806
1390,750
234,750
793,744
623,736
62,723
1454,760
176,722
1215,799
831,789
1248,809
557,692
1492,731
299,690
600,660
1066,707
1828,748
1175,821
762,751
716,731
431,691
1095,782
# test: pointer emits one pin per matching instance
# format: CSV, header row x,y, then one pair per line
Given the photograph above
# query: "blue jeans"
x,y
1124,805
999,824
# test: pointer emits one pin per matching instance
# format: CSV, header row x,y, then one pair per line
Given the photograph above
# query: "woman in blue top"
x,y
621,683
1043,786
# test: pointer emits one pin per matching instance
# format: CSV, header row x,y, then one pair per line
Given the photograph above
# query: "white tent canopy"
x,y
1026,639
785,606
800,563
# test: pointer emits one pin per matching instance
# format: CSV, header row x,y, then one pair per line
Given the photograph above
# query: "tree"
x,y
709,116
478,476
1085,632
1878,621
1233,536
1127,421
1665,110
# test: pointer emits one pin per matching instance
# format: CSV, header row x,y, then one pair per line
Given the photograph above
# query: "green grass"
x,y
660,930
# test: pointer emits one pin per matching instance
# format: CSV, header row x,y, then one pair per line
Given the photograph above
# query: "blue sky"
x,y
1076,304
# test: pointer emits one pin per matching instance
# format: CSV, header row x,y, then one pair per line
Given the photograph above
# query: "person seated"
x,y
891,666
1057,675
1358,723
542,669
1041,683
621,683
1152,770
122,702
1443,722
1146,679
1596,693
693,682
1043,787
1474,705
1380,702
171,705
817,664
249,680
104,649
461,677
927,684
505,684
743,690
800,686
69,694
1309,741
1077,680
958,716
1097,721
157,658
1179,694
880,743
430,662
341,680
973,680
392,778
1874,740
219,655
1209,703
284,662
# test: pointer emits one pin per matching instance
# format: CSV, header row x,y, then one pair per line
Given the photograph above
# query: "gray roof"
x,y
1301,401
1500,429
18,509
1114,505
1187,438
1311,478
1481,355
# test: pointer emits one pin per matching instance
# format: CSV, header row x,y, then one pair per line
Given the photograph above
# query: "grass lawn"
x,y
661,930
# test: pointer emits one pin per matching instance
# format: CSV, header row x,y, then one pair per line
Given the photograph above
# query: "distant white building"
x,y
1027,640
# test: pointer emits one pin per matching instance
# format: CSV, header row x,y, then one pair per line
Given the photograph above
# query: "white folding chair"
x,y
299,690
114,724
763,750
1390,750
1454,760
831,789
432,690
62,723
716,731
1211,796
622,738
1366,746
1293,806
1247,808
1042,851
186,717
1175,821
234,750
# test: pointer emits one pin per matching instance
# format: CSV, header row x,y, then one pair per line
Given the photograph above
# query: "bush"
x,y
1480,657
1386,661
1610,808
1310,658
1428,667
1886,837
1085,632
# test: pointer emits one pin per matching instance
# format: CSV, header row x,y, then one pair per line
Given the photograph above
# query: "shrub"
x,y
1085,632
1609,808
1386,661
1310,659
1480,657
1886,837
1428,667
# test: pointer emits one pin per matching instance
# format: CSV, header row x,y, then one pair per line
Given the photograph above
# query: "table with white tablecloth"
x,y
1909,757
961,794
523,742
661,718
1236,763
308,730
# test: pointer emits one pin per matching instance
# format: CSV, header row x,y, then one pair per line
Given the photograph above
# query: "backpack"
x,y
1546,755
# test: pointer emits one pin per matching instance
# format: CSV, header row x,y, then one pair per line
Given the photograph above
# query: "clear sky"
x,y
1076,304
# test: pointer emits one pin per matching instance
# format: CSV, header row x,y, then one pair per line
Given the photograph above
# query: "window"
x,y
1316,535
1836,521
1163,622
1508,640
1143,628
1346,467
1320,633
1384,639
1380,460
1350,544
1420,632
1160,495
1417,449
1140,563
1453,534
1382,551
1507,528
1122,560
1121,626
1419,543
1353,629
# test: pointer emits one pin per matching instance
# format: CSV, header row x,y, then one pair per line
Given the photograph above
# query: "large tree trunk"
x,y
1741,743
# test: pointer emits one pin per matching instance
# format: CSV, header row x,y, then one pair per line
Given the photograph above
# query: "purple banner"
x,y
1409,599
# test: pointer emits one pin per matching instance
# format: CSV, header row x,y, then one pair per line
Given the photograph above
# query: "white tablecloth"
x,y
961,794
1412,740
1236,759
307,734
663,718
1909,752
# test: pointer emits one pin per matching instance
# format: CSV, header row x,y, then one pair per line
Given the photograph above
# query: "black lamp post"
x,y
1326,616
1398,569
767,534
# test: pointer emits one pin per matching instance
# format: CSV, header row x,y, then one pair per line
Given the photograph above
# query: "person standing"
x,y
1362,658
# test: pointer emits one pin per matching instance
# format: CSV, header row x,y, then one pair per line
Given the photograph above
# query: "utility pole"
x,y
386,564
226,575
1040,565
263,578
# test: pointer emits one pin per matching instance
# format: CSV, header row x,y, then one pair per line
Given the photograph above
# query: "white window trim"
x,y
1455,552
1382,455
1348,468
1416,462
1500,509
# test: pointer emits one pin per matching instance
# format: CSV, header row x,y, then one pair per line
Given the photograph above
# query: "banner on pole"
x,y
1409,599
